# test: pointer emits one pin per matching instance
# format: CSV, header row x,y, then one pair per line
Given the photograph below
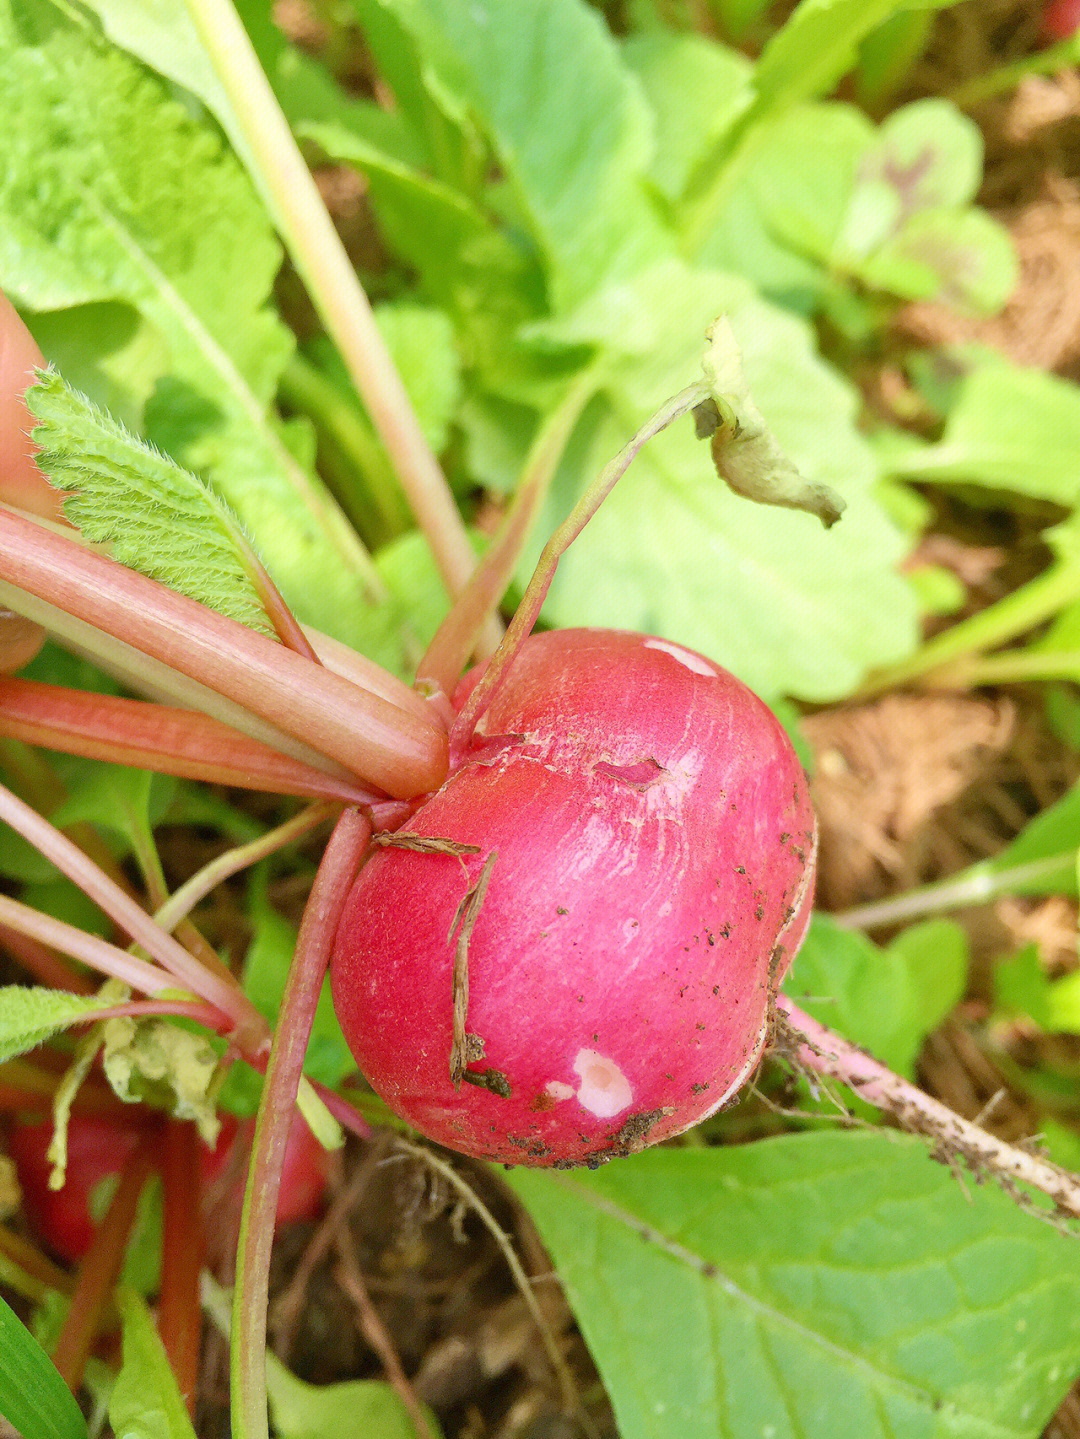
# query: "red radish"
x,y
1060,19
98,1149
303,1175
654,854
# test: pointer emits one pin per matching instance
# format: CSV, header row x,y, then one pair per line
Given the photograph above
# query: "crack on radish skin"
x,y
639,775
695,663
604,1090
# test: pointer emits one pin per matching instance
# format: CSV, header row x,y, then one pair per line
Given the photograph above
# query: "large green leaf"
x,y
171,228
788,607
697,90
33,1397
819,1286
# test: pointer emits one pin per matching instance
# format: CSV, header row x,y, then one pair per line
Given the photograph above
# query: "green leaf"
x,y
116,354
925,156
1010,429
146,1402
783,221
128,802
361,1407
158,518
697,91
887,55
825,1286
964,258
184,242
818,45
1021,986
421,340
31,1014
790,608
33,1397
1041,860
887,1000
573,171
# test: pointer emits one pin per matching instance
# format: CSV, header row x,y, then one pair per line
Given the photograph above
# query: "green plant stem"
x,y
981,884
340,862
456,637
384,745
20,1260
320,258
1017,667
358,471
532,601
1006,77
1018,612
826,1053
183,901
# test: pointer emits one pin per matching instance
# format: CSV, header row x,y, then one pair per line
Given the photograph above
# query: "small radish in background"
x,y
303,1176
1060,20
65,1219
97,1150
641,877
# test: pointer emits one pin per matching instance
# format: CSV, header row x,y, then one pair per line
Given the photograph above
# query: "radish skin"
x,y
654,850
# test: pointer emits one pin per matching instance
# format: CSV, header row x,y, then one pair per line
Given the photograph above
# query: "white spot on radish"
x,y
690,661
604,1089
558,1090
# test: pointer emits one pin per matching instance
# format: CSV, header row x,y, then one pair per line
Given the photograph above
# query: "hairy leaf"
x,y
158,518
818,1286
29,1015
33,1397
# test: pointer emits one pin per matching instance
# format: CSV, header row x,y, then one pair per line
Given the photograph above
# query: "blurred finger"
x,y
21,482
